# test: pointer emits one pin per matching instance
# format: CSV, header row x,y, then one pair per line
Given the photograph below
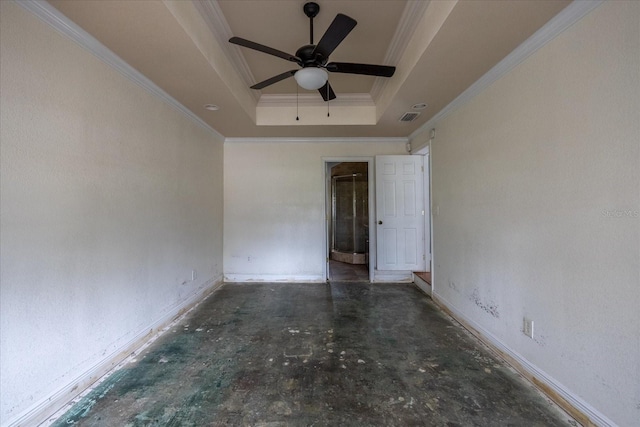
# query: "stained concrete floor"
x,y
314,354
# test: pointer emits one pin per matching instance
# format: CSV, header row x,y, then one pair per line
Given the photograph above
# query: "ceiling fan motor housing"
x,y
309,58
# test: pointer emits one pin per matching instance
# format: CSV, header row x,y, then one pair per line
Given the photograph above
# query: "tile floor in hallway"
x,y
339,354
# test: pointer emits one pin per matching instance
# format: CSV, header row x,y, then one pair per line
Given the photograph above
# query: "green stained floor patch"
x,y
315,354
81,409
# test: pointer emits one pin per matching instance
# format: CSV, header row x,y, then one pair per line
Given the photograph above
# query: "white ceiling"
x,y
439,48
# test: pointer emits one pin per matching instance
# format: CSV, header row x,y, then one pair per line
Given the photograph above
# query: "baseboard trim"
x,y
580,410
39,412
273,278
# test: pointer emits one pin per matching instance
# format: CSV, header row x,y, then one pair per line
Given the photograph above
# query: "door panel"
x,y
411,245
389,199
400,213
409,196
390,243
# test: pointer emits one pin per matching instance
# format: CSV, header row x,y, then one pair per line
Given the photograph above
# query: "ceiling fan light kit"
x,y
314,58
311,78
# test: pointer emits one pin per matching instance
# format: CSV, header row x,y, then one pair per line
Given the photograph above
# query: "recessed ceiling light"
x,y
420,106
211,107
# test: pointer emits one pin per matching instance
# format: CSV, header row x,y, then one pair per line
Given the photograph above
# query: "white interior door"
x,y
400,213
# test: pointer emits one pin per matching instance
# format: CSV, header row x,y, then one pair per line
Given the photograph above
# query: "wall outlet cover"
x,y
527,327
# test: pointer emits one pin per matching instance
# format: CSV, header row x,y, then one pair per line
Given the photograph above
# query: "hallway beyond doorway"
x,y
345,272
315,354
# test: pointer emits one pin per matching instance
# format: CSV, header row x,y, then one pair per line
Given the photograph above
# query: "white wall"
x,y
538,187
109,199
274,214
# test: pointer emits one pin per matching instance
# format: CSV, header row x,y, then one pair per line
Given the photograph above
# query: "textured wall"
x,y
538,187
274,206
109,199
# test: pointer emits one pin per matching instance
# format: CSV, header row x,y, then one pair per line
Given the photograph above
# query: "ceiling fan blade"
x,y
274,79
367,69
264,49
327,92
337,31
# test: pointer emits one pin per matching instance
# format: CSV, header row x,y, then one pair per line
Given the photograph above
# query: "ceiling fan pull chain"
x,y
328,99
297,116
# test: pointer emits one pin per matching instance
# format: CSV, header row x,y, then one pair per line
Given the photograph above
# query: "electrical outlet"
x,y
527,327
194,275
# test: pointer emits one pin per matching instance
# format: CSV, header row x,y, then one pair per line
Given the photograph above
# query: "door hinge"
x,y
424,257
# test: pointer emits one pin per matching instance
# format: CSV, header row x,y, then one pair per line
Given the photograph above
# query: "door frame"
x,y
425,153
326,174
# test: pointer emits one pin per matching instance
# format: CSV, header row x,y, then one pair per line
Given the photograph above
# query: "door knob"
x,y
380,222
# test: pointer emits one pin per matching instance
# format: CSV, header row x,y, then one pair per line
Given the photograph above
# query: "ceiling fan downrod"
x,y
311,9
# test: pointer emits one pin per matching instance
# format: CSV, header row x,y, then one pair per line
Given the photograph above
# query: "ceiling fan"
x,y
314,58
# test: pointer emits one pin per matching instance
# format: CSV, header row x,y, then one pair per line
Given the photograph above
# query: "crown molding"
x,y
59,22
397,140
219,27
411,16
315,100
571,14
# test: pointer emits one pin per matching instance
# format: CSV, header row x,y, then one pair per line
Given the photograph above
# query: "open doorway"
x,y
348,222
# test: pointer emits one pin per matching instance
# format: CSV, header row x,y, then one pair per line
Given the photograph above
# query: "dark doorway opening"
x,y
349,225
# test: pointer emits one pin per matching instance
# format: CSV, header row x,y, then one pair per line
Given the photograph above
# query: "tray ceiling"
x,y
439,48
